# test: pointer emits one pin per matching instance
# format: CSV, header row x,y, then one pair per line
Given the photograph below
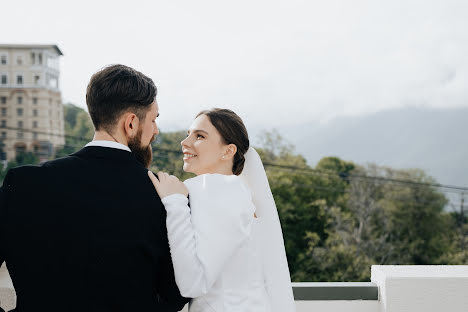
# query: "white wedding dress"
x,y
224,257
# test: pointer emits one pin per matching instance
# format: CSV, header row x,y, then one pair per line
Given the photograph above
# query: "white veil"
x,y
275,264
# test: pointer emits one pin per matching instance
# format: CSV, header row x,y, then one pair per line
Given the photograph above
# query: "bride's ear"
x,y
230,151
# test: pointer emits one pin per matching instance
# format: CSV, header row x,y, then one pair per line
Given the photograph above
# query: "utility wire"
x,y
300,185
291,168
344,175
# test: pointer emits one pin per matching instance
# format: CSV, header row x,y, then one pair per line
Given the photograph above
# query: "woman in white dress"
x,y
226,245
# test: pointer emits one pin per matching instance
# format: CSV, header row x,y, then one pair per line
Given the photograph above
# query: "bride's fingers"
x,y
153,179
161,176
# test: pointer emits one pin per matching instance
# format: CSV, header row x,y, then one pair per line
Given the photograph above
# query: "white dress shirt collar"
x,y
111,144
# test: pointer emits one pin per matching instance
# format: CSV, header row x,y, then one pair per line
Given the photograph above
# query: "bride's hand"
x,y
167,185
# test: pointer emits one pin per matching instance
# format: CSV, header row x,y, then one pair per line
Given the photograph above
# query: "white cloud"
x,y
274,62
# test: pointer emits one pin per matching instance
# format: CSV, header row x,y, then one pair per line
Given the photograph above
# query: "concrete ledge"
x,y
335,291
422,288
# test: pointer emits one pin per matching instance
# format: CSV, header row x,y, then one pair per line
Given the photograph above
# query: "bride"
x,y
226,244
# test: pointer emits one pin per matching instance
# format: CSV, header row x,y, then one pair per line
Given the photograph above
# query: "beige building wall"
x,y
31,109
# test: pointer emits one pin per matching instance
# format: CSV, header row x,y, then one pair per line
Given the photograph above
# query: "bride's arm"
x,y
200,251
188,269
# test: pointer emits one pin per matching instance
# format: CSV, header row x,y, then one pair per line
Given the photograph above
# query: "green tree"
x,y
417,222
377,222
79,130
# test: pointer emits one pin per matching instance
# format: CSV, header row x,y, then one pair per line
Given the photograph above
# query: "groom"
x,y
87,232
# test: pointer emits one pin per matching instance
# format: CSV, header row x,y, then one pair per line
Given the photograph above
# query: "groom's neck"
x,y
105,136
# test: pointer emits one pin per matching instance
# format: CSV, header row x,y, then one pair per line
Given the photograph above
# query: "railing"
x,y
335,291
336,297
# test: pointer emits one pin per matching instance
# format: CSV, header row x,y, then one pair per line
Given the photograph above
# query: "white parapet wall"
x,y
431,288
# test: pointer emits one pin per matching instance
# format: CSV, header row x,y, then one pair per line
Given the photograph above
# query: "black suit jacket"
x,y
87,233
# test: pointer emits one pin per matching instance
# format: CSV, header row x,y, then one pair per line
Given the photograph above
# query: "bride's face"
x,y
204,149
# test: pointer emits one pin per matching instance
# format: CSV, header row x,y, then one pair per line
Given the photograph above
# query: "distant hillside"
x,y
435,140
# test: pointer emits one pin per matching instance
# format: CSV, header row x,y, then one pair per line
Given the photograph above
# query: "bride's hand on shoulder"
x,y
166,184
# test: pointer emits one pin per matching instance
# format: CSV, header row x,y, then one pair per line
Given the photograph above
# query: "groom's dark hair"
x,y
117,89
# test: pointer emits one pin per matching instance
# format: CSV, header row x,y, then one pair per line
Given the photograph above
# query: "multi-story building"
x,y
31,110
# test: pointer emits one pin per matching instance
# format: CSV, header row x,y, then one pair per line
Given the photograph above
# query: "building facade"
x,y
31,109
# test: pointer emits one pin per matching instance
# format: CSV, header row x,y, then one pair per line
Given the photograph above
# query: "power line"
x,y
42,132
293,168
333,189
343,175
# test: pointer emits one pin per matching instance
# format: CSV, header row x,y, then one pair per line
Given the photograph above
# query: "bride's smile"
x,y
204,149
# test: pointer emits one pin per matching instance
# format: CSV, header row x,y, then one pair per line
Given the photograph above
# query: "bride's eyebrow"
x,y
197,131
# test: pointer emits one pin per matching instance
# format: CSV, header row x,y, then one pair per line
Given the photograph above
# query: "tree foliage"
x,y
78,128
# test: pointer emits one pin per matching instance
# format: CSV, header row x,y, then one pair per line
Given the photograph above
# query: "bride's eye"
x,y
199,136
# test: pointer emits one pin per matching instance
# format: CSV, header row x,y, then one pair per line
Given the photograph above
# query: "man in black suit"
x,y
87,232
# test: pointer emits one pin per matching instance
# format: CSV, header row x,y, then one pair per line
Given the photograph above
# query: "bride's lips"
x,y
188,156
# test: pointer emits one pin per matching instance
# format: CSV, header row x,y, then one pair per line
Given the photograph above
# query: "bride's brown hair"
x,y
233,131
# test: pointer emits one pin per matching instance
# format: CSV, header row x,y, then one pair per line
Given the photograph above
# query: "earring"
x,y
222,157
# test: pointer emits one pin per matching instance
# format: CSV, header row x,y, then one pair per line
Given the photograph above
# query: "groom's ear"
x,y
131,124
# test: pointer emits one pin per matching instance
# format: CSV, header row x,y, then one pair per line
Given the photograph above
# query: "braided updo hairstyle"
x,y
232,131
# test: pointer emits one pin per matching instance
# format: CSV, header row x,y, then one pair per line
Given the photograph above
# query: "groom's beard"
x,y
143,154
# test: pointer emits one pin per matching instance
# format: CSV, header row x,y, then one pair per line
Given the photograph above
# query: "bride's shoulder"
x,y
215,182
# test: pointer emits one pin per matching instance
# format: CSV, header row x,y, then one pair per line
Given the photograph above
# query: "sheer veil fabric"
x,y
273,254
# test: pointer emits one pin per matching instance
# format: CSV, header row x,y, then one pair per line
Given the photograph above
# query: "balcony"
x,y
392,289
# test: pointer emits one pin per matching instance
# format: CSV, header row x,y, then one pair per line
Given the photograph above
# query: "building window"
x,y
3,123
3,60
19,111
34,124
37,78
34,112
3,135
3,99
19,60
19,134
35,100
4,112
4,79
39,56
19,79
20,124
20,100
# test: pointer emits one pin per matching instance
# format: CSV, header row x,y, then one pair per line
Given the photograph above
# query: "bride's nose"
x,y
184,142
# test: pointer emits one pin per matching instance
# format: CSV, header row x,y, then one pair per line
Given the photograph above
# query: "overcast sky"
x,y
276,63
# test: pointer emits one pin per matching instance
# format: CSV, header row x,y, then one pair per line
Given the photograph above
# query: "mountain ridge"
x,y
434,140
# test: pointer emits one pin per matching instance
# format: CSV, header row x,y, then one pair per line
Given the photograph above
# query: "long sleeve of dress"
x,y
204,236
